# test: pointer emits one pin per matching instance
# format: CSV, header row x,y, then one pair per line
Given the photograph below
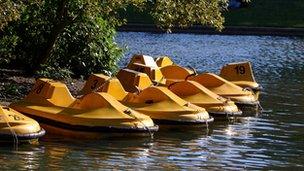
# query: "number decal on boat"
x,y
39,88
240,70
94,84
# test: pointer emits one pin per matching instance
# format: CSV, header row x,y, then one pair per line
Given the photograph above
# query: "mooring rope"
x,y
207,125
15,137
150,133
128,112
227,116
260,107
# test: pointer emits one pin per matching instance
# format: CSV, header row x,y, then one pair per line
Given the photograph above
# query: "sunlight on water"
x,y
272,140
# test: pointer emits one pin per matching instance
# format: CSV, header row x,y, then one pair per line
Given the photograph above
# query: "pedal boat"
x,y
92,115
173,73
15,127
189,91
159,103
239,73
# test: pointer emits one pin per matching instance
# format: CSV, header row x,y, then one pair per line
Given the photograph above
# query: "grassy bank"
x,y
269,13
260,13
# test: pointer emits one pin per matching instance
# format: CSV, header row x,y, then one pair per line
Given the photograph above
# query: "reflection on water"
x,y
272,140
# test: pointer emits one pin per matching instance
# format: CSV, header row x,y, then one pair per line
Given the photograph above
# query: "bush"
x,y
7,45
56,73
81,46
87,48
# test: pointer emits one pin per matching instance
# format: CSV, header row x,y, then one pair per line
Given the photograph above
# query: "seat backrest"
x,y
46,91
103,83
143,59
132,80
175,72
141,68
241,71
209,80
114,88
164,61
147,65
93,83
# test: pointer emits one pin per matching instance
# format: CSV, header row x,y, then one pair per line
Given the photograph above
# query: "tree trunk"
x,y
58,28
43,58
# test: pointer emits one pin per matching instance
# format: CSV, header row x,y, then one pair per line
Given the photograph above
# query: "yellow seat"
x,y
133,81
146,64
142,59
93,83
95,113
175,73
163,61
16,127
50,92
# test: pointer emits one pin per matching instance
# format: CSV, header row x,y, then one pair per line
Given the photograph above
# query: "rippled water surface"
x,y
272,140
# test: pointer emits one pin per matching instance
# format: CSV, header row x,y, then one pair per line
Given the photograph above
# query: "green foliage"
x,y
184,13
56,35
54,72
7,45
84,43
12,89
9,11
98,50
32,30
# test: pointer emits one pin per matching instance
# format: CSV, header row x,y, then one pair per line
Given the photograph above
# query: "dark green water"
x,y
272,140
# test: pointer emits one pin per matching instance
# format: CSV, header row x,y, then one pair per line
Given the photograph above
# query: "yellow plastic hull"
x,y
65,121
162,117
69,133
22,138
15,127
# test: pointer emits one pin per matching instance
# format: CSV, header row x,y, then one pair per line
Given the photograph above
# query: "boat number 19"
x,y
240,69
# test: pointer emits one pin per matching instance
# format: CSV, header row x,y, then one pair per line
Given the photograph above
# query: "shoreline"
x,y
229,30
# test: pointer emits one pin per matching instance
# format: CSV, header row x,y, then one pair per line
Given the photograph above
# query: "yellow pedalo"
x,y
239,73
159,103
189,91
90,116
15,127
174,73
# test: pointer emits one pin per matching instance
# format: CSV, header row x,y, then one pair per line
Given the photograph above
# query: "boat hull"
x,y
4,137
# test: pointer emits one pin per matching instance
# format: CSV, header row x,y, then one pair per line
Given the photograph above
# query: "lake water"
x,y
271,140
